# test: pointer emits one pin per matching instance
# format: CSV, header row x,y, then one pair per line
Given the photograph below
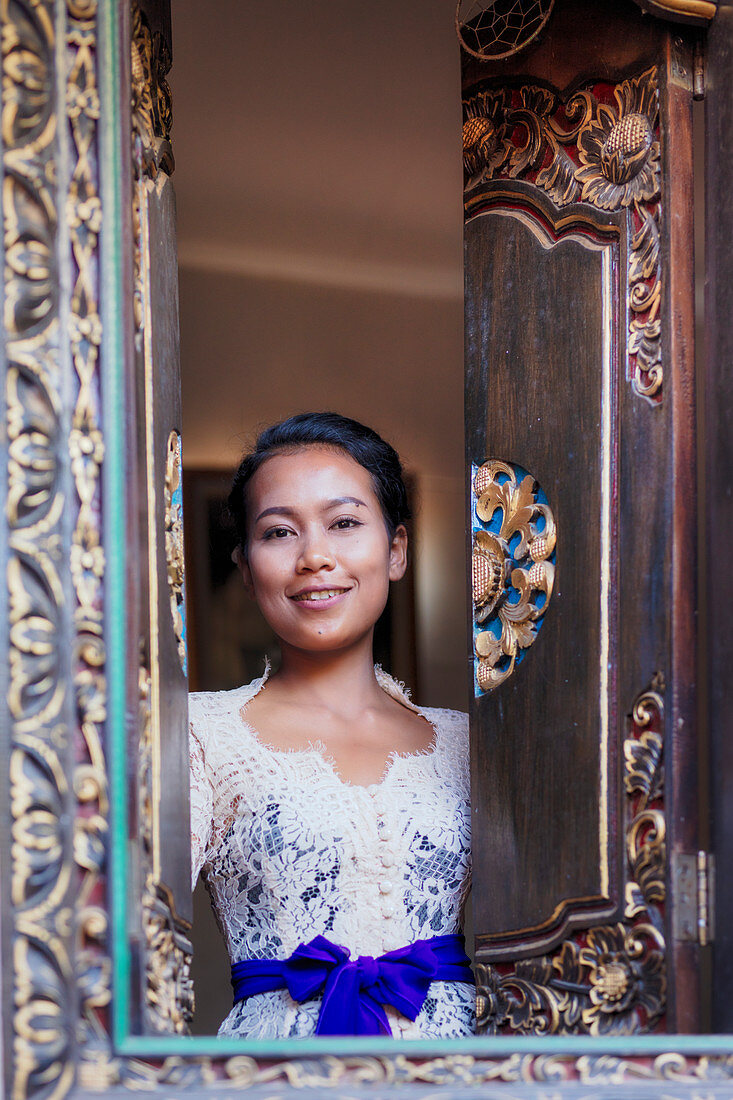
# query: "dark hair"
x,y
325,429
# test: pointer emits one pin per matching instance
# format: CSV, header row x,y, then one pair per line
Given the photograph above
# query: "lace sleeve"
x,y
201,806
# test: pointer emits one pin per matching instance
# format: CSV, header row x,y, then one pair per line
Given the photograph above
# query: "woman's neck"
x,y
330,676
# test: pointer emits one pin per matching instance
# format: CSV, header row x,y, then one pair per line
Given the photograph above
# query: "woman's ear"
x,y
398,554
239,559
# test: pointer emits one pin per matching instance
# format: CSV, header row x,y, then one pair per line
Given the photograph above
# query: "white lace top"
x,y
289,851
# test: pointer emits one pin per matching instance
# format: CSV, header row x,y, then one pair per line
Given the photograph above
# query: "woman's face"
x,y
319,558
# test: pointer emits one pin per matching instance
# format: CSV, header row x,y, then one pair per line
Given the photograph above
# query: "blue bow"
x,y
356,990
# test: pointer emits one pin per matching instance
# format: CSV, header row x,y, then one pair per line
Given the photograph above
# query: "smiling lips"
x,y
319,595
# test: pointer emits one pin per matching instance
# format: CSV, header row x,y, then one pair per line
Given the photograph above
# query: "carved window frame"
x,y
64,919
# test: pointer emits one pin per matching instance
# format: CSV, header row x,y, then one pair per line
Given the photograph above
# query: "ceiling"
x,y
320,142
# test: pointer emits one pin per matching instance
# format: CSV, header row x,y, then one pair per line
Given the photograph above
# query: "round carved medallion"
x,y
493,29
512,567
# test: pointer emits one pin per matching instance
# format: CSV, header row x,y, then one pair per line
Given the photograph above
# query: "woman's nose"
x,y
315,554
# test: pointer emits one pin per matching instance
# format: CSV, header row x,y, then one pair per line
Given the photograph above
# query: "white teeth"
x,y
325,595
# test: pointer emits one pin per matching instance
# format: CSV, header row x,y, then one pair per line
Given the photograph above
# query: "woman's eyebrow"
x,y
277,510
346,500
283,510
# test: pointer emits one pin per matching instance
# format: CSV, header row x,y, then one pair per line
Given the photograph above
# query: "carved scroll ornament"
x,y
512,568
598,146
57,691
612,979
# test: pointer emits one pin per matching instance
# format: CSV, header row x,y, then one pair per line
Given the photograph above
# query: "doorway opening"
x,y
320,265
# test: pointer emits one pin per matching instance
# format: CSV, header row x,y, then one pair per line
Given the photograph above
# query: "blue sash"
x,y
355,991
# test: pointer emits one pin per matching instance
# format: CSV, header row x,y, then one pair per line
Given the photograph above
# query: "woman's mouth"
x,y
319,595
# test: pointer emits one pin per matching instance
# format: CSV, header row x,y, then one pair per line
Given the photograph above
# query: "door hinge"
x,y
693,883
705,898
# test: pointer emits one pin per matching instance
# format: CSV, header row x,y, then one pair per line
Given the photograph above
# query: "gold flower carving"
x,y
599,146
610,980
512,575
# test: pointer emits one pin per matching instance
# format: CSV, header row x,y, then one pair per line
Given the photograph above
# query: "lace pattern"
x,y
289,850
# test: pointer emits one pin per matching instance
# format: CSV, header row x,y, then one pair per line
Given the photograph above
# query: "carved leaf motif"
x,y
526,538
558,177
644,248
647,854
606,154
643,770
37,790
518,515
611,979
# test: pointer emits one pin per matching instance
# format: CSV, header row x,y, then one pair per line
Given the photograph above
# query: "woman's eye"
x,y
277,533
345,522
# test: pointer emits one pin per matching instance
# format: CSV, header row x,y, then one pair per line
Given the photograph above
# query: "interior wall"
x,y
256,350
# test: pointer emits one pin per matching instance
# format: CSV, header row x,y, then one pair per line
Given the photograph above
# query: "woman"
x,y
330,815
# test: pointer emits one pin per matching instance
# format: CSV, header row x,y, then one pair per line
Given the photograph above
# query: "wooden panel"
x,y
554,397
541,132
172,849
719,476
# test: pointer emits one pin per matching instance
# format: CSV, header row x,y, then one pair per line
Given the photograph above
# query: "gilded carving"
x,y
152,113
174,542
589,147
456,1071
85,444
168,993
609,980
39,705
512,568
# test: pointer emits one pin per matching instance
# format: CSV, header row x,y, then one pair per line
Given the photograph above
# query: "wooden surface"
x,y
534,397
575,47
531,313
719,481
678,350
172,812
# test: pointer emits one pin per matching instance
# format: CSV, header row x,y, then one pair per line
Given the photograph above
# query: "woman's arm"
x,y
201,805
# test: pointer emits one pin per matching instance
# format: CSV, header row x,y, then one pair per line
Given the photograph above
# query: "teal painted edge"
x,y
477,1047
114,489
114,493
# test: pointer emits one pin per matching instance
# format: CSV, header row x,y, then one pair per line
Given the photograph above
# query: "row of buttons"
x,y
387,885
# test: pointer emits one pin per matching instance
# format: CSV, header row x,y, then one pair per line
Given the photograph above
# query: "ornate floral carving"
x,y
168,993
174,542
512,568
39,703
457,1071
152,112
87,560
600,146
619,150
609,980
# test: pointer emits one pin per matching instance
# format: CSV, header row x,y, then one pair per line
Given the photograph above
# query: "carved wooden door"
x,y
581,455
162,996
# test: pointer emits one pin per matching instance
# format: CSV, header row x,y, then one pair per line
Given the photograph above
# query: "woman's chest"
x,y
297,811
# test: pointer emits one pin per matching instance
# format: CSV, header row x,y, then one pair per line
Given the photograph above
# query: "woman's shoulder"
x,y
450,725
452,728
209,710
